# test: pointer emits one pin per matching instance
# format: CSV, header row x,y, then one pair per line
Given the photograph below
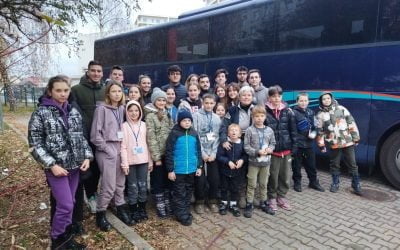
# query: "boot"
x,y
77,229
212,204
142,211
248,211
71,243
61,241
160,205
335,183
264,206
101,221
315,185
134,211
355,184
297,186
167,201
124,216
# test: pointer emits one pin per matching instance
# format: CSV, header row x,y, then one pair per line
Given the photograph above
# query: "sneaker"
x,y
223,209
316,186
234,210
272,204
297,187
213,207
92,204
248,211
187,221
283,203
199,208
266,208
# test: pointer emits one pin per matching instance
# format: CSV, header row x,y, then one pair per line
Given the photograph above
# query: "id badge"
x,y
137,150
120,135
210,136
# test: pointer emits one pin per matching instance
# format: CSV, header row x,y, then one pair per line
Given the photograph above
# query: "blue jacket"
x,y
183,151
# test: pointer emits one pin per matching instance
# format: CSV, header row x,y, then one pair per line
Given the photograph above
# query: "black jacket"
x,y
284,129
302,135
232,116
224,156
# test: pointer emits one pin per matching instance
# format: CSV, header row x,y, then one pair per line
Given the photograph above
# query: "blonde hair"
x,y
107,93
234,125
259,109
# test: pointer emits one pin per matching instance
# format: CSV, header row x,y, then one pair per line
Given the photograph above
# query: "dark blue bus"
x,y
351,47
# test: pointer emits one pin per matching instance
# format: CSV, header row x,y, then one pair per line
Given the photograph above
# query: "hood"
x,y
101,103
85,81
282,105
334,102
137,104
260,87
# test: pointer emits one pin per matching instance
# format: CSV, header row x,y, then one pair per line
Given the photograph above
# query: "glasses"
x,y
175,73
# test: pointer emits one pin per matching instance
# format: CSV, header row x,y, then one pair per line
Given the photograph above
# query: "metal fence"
x,y
25,95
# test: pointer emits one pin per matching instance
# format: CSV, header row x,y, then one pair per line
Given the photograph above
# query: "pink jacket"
x,y
134,139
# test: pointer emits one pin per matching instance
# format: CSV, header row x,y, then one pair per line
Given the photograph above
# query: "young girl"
x,y
193,102
192,78
233,94
135,94
61,158
221,94
145,87
159,124
135,160
220,110
172,110
107,135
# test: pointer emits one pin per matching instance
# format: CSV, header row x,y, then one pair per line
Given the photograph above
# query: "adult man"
x,y
204,82
117,74
90,90
261,92
221,77
241,74
174,76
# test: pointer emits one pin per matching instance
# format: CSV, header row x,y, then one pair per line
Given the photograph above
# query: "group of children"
x,y
181,148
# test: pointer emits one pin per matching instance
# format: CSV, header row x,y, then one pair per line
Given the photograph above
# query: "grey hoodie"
x,y
261,95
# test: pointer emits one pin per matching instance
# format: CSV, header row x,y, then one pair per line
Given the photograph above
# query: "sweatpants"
x,y
207,186
63,190
230,187
137,183
256,175
112,182
349,157
182,189
279,178
304,157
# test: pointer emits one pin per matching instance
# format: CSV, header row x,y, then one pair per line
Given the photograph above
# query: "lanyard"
x,y
260,139
137,134
117,116
209,122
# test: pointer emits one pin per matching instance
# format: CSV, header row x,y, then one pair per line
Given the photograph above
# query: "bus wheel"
x,y
389,159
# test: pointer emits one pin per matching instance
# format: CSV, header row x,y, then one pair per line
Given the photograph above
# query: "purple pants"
x,y
63,190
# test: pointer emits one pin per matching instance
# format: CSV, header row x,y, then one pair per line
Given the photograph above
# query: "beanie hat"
x,y
157,93
184,114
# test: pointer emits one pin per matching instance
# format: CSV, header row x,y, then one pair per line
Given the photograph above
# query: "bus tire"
x,y
389,159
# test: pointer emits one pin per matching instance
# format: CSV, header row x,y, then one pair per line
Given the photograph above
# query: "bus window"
x,y
148,47
390,21
243,31
188,41
314,23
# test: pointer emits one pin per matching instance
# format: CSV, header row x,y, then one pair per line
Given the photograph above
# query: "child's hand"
x,y
239,163
85,165
231,165
150,167
206,158
125,170
58,171
269,151
262,152
158,163
198,172
172,176
211,158
227,145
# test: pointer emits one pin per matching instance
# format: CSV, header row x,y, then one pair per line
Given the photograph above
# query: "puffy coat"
x,y
52,142
157,132
304,117
234,154
284,127
183,151
336,126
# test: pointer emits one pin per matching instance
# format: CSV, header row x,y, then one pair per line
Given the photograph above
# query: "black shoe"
x,y
335,183
142,211
77,229
355,184
315,185
185,221
123,215
134,212
266,209
101,221
234,210
61,241
248,210
297,186
72,244
223,208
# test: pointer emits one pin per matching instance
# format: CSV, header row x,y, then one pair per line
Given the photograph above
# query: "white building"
x,y
148,20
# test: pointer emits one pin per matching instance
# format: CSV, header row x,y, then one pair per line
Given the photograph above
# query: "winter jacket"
x,y
237,115
260,95
173,113
86,95
304,124
157,131
234,154
284,128
336,126
180,92
256,139
51,141
147,97
205,123
134,137
191,105
107,121
183,151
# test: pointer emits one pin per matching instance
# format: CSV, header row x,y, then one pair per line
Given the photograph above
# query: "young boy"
x,y
207,125
305,154
183,162
337,128
281,119
231,162
259,143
